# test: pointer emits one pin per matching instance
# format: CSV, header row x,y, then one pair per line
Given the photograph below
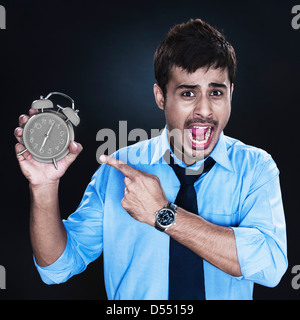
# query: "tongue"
x,y
198,133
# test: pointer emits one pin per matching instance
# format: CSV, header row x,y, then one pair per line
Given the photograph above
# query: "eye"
x,y
216,93
188,94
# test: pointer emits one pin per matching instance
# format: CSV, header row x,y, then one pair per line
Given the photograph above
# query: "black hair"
x,y
193,45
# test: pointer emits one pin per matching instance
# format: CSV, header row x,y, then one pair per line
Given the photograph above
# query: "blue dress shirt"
x,y
241,191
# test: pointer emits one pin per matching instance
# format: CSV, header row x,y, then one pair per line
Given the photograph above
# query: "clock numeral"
x,y
49,151
57,148
51,121
44,121
42,150
31,140
61,141
31,131
62,133
37,125
35,145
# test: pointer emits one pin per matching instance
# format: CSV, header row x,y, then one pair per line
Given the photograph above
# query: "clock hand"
x,y
47,136
45,139
50,129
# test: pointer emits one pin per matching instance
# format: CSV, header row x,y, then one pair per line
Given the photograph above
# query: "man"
x,y
163,237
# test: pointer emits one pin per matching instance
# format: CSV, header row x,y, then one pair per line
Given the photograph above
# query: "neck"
x,y
182,156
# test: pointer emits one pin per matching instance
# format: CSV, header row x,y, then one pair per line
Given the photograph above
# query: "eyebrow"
x,y
217,85
187,86
212,85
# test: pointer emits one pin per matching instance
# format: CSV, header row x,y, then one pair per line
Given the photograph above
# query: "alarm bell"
x,y
42,104
70,113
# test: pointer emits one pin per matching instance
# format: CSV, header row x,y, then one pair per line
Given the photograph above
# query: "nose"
x,y
203,108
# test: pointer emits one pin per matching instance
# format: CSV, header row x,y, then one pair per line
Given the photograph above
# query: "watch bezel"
x,y
159,215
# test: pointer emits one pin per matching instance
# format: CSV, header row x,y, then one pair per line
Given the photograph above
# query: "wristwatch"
x,y
165,217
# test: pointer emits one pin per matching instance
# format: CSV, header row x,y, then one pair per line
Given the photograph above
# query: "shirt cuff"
x,y
63,268
252,251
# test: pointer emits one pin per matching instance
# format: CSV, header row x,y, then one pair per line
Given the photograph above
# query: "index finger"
x,y
123,167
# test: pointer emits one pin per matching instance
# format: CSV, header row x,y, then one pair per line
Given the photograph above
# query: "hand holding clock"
x,y
45,150
39,173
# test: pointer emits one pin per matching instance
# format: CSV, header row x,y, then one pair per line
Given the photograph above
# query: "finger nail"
x,y
103,158
127,180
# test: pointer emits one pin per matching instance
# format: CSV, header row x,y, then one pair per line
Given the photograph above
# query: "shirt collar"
x,y
161,146
219,154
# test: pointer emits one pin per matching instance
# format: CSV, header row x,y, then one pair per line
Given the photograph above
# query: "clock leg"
x,y
55,164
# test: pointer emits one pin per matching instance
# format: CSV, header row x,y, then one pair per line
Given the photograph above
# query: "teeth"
x,y
206,137
200,127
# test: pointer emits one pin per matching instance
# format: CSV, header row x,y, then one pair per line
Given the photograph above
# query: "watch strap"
x,y
172,206
158,227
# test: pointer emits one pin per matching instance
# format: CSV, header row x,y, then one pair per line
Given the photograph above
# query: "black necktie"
x,y
186,276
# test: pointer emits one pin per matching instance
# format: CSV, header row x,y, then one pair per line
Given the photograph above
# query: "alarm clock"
x,y
48,133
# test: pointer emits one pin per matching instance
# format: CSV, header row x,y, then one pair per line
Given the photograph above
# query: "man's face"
x,y
197,106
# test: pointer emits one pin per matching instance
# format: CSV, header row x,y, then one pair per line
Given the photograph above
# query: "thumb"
x,y
74,150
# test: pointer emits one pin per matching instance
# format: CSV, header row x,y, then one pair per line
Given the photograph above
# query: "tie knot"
x,y
188,176
185,175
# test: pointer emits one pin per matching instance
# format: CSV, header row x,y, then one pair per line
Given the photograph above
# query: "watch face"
x,y
165,217
47,136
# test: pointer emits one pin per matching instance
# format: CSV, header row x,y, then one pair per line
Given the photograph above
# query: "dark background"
x,y
101,54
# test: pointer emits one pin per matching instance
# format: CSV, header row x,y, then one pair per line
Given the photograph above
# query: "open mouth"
x,y
200,137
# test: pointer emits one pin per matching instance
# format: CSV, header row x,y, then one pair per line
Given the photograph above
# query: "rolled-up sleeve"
x,y
261,233
84,235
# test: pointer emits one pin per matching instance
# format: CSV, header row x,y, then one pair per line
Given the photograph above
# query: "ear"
x,y
159,97
231,91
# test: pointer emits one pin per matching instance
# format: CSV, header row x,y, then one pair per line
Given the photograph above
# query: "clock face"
x,y
166,217
47,136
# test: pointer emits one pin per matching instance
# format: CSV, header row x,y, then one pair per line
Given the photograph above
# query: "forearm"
x,y
144,195
214,243
47,232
